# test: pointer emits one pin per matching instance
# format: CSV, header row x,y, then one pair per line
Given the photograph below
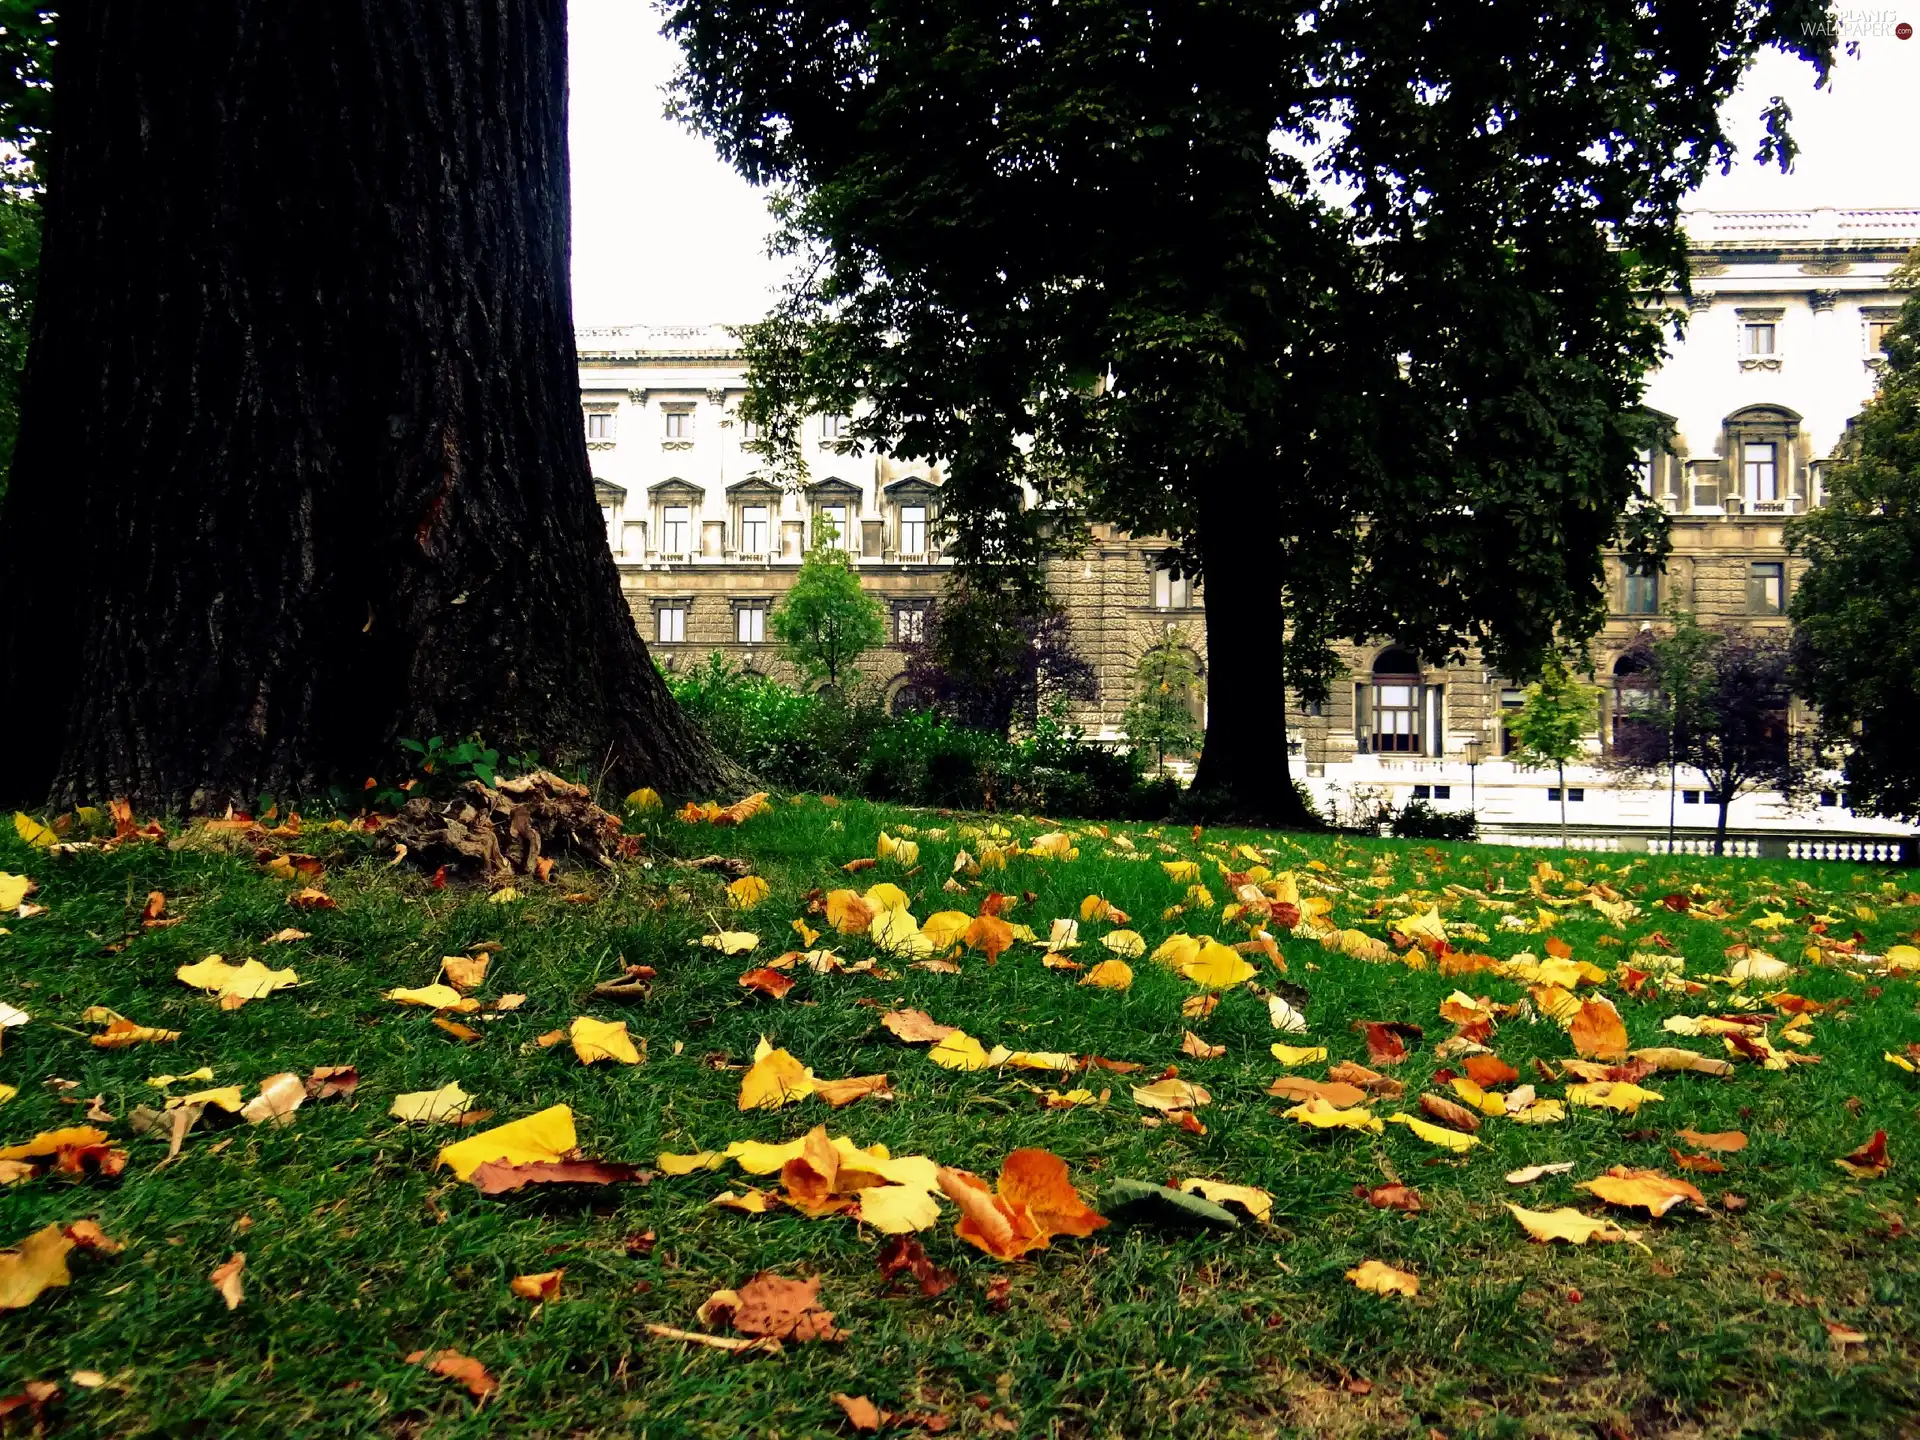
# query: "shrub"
x,y
1418,820
849,745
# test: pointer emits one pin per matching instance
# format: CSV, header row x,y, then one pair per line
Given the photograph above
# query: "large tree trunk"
x,y
1243,776
301,470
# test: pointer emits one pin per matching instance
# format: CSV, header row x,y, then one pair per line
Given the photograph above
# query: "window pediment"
x,y
754,488
674,488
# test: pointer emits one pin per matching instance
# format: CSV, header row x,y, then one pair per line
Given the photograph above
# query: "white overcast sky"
x,y
664,233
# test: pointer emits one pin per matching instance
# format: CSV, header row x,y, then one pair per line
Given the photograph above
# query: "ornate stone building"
x,y
1780,350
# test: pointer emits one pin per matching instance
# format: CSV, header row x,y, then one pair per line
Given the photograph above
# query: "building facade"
x,y
1780,351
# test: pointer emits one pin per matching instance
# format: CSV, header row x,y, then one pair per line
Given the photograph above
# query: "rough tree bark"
x,y
1243,775
302,470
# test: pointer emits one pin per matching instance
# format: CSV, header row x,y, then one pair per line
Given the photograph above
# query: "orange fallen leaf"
x,y
497,1177
455,1366
1700,1164
1394,1197
1199,1049
226,1279
1034,1200
861,1412
768,982
844,1092
770,1306
1725,1141
543,1286
990,934
1598,1031
914,1026
1488,1071
1870,1161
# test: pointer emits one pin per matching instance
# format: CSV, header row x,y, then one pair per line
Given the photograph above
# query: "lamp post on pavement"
x,y
1472,746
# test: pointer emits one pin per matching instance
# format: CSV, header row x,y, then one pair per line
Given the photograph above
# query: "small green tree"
x,y
826,622
1160,717
1551,728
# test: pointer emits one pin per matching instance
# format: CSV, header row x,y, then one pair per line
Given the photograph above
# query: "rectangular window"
x,y
1172,592
753,529
1759,469
599,425
913,529
1396,719
679,424
1510,700
1828,800
1443,792
750,625
670,624
1423,792
1758,339
833,427
1643,589
1878,333
676,529
909,625
1575,794
1689,797
834,517
1712,797
1767,587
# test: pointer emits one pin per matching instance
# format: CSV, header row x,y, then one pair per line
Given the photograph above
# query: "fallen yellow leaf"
x,y
432,997
1171,1095
546,1135
1324,1115
1298,1054
1569,1225
1439,1135
1257,1203
775,1079
235,984
424,1107
1383,1279
1618,1095
595,1040
747,892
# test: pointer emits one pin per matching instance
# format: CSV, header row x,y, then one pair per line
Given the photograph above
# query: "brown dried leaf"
x,y
494,1177
915,1026
1448,1112
1346,1072
775,1307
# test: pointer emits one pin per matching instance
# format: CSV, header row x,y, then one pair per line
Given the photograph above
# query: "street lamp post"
x,y
1472,746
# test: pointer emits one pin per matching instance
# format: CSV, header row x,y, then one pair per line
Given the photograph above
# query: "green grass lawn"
x,y
359,1251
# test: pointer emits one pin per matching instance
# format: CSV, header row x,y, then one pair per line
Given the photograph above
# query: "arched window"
x,y
1397,712
1636,696
904,698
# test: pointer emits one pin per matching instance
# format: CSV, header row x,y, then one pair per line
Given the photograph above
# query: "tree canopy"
x,y
1857,608
1359,324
